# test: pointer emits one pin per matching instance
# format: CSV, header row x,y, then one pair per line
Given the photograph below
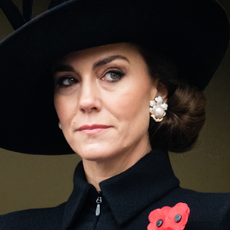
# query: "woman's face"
x,y
102,97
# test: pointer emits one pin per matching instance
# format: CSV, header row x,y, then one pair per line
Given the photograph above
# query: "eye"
x,y
113,76
66,81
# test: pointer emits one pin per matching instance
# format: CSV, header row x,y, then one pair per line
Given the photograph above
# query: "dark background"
x,y
28,181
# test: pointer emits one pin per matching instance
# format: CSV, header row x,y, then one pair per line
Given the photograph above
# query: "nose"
x,y
89,100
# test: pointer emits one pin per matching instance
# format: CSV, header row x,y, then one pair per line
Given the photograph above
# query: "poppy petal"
x,y
177,217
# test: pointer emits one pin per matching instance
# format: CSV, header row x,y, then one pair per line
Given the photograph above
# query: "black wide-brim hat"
x,y
193,34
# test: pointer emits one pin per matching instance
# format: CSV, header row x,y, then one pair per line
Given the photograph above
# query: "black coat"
x,y
127,200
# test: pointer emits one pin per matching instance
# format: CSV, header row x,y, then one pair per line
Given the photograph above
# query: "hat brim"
x,y
193,34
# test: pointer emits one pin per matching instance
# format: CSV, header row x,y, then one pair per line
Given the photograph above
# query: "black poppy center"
x,y
178,218
159,223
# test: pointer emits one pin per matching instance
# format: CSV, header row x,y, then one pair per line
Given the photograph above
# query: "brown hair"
x,y
185,116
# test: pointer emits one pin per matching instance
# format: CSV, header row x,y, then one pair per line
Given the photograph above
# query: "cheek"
x,y
131,108
65,108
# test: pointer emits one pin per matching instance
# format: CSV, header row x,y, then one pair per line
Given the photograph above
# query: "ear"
x,y
162,91
159,89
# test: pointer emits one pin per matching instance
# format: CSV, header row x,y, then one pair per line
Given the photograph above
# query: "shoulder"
x,y
207,210
36,219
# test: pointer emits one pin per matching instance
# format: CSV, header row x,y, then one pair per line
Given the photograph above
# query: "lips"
x,y
93,127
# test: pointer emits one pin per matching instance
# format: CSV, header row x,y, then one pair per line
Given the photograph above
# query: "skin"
x,y
107,85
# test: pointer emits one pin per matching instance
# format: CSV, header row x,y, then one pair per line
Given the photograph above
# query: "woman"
x,y
108,66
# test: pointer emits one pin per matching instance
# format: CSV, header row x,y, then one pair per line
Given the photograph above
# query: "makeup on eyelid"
x,y
67,81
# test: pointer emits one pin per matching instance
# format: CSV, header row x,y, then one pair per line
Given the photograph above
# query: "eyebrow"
x,y
62,68
108,60
66,67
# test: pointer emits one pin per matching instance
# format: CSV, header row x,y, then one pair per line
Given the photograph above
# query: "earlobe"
x,y
162,91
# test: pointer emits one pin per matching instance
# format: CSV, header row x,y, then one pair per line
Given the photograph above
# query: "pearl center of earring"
x,y
158,112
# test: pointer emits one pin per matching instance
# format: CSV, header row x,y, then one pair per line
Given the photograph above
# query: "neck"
x,y
98,171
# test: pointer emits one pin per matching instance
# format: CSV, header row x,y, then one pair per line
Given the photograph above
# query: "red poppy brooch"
x,y
168,218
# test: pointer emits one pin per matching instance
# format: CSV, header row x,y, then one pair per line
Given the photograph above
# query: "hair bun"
x,y
181,126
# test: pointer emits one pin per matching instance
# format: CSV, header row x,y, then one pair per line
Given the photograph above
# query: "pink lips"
x,y
92,129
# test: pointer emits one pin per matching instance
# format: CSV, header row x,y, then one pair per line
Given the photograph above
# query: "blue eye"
x,y
66,81
113,76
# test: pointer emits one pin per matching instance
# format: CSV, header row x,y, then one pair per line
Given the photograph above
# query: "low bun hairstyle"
x,y
181,126
185,116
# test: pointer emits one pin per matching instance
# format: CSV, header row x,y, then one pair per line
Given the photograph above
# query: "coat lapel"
x,y
128,193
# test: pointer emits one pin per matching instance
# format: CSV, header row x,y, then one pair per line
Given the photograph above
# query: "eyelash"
x,y
60,81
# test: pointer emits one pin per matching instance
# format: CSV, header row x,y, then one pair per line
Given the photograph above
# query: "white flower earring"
x,y
157,109
59,125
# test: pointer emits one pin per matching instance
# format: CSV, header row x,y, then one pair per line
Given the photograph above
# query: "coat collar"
x,y
152,176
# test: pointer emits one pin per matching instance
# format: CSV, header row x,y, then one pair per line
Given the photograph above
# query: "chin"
x,y
95,152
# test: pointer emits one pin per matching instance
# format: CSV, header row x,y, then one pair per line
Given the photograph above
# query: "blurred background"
x,y
31,181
